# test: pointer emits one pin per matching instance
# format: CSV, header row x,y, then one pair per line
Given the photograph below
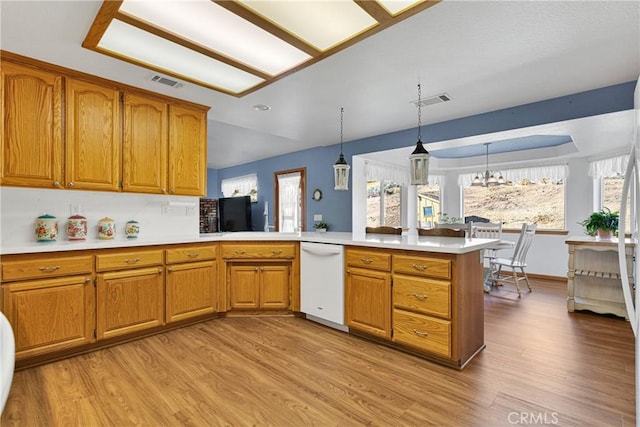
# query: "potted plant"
x,y
603,223
321,226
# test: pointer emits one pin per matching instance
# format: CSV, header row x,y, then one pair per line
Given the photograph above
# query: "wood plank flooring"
x,y
541,365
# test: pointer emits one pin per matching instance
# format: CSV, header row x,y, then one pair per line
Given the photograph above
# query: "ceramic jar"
x,y
77,227
46,228
131,229
106,229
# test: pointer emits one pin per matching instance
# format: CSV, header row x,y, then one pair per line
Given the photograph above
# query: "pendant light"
x,y
488,179
419,159
341,168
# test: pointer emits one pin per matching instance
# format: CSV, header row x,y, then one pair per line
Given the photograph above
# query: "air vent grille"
x,y
435,99
166,81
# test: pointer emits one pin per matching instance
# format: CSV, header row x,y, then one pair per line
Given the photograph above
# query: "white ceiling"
x,y
487,55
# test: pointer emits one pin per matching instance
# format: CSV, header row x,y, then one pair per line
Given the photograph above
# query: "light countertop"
x,y
412,242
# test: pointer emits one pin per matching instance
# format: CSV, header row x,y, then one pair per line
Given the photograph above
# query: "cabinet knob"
x,y
159,270
256,269
170,269
70,184
164,190
172,191
56,183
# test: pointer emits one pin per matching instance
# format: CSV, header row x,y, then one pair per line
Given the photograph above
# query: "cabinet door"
x,y
130,301
191,290
368,301
274,286
93,137
145,145
30,127
51,314
187,151
244,286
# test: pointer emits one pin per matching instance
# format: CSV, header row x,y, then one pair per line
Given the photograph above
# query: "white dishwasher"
x,y
322,283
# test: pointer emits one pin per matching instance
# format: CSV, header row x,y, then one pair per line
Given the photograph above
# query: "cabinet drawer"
x,y
368,259
43,266
123,260
250,250
422,266
423,332
190,254
422,295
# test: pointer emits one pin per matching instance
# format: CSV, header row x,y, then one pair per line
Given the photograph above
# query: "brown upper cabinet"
x,y
187,151
31,127
145,145
93,131
62,128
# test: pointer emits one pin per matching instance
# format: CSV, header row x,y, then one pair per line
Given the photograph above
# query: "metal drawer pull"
x,y
366,260
131,261
420,267
276,252
420,333
420,296
239,251
193,254
47,269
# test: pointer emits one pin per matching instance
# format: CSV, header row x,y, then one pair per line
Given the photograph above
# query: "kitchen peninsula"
x,y
419,294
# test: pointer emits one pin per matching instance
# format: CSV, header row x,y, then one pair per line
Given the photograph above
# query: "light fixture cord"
x,y
419,113
341,125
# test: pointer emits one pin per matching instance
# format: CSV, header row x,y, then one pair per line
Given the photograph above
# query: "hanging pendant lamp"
x,y
419,159
341,168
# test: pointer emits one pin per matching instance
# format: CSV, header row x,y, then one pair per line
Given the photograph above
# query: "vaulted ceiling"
x,y
485,55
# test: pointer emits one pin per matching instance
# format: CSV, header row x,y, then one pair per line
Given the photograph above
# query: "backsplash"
x,y
159,216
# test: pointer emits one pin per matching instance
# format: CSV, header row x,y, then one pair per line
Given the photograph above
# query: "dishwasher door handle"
x,y
320,253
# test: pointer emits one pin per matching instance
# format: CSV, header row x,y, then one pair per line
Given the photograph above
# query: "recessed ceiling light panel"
x,y
321,23
132,42
217,29
398,6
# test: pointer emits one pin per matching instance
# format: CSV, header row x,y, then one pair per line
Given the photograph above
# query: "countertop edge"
x,y
426,244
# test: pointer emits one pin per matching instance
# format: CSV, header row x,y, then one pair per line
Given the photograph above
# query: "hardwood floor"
x,y
542,365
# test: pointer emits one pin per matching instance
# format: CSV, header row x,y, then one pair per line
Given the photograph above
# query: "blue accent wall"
x,y
335,206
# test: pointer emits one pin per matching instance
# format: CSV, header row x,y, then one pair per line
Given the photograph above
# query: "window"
x,y
532,195
290,214
609,173
246,185
384,204
428,204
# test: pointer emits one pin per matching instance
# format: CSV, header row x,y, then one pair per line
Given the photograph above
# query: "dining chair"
x,y
488,230
441,232
384,230
516,261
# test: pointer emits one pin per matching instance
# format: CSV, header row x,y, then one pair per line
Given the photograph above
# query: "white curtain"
x,y
246,185
380,171
534,173
289,197
612,166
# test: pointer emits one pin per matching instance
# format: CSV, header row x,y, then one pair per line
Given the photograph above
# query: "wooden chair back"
x,y
384,230
441,232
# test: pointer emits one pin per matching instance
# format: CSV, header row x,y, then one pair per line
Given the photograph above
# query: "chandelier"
x,y
341,168
419,159
488,179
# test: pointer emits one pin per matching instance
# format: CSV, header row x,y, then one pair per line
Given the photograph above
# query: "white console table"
x,y
594,275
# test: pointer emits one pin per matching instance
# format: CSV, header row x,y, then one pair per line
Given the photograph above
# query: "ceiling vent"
x,y
435,99
165,81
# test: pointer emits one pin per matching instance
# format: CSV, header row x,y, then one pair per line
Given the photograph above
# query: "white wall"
x,y
159,216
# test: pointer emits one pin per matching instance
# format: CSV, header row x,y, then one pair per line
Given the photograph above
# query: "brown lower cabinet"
x,y
259,286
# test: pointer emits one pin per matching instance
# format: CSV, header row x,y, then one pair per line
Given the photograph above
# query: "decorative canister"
x,y
77,227
106,229
46,228
131,229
